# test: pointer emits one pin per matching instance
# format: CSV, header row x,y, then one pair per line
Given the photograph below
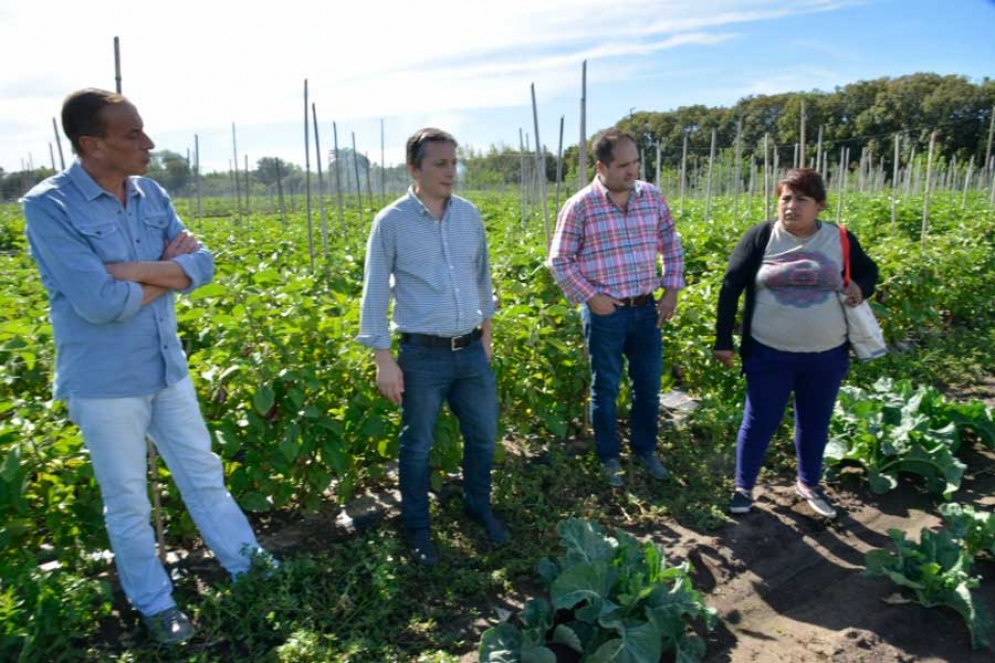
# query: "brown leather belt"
x,y
638,300
453,343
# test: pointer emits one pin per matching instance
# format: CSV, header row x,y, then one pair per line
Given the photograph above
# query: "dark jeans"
x,y
771,376
630,331
465,380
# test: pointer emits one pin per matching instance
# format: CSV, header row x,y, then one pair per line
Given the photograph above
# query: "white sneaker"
x,y
816,499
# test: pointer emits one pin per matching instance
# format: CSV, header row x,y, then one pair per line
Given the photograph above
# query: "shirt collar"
x,y
424,210
599,186
91,190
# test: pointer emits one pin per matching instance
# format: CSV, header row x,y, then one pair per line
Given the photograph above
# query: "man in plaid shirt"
x,y
604,256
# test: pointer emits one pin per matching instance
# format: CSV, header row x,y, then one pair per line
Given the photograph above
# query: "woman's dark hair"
x,y
605,142
419,141
81,113
803,180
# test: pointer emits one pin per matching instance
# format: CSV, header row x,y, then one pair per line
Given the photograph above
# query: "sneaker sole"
x,y
740,510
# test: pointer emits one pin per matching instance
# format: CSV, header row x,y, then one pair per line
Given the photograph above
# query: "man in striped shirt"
x,y
604,256
428,251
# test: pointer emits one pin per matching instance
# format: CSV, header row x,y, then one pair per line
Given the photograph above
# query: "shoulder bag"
x,y
862,328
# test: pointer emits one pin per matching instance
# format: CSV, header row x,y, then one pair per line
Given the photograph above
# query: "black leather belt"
x,y
453,343
638,300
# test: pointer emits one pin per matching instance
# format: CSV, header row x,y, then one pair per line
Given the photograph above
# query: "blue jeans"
x,y
771,376
465,380
630,331
114,431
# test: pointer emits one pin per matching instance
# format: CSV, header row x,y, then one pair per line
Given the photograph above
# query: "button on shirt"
x,y
107,344
599,249
436,271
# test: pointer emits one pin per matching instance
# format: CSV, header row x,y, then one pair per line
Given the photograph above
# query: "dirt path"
x,y
789,588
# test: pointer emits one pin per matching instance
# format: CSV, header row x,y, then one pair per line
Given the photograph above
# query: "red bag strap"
x,y
845,245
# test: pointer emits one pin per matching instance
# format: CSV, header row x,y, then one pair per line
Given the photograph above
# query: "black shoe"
x,y
422,549
495,531
741,503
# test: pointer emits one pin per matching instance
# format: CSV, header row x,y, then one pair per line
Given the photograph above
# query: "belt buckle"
x,y
454,344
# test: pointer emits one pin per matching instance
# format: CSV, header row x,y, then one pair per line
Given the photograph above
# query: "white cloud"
x,y
192,65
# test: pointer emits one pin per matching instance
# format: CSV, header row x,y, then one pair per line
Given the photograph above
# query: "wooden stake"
x,y
801,150
58,142
708,185
321,183
559,168
117,74
582,145
338,178
967,182
684,170
307,178
200,201
737,176
926,191
894,184
819,166
383,168
355,166
766,178
541,164
235,177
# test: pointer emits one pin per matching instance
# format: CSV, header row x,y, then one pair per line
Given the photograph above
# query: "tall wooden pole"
x,y
355,168
117,65
521,172
801,140
926,191
658,166
684,170
541,164
238,187
582,145
818,155
708,185
766,178
967,182
321,183
58,142
988,149
559,169
307,178
338,176
895,184
248,188
737,174
383,168
369,188
196,181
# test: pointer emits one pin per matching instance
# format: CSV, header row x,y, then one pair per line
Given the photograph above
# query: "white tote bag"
x,y
862,328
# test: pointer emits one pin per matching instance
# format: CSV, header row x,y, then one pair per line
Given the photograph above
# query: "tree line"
x,y
863,116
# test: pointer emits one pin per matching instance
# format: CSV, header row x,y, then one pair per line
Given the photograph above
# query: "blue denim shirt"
x,y
107,344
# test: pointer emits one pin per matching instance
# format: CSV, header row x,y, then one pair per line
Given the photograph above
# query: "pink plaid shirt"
x,y
599,249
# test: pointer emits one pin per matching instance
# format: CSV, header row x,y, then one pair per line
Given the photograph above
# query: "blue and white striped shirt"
x,y
107,345
436,271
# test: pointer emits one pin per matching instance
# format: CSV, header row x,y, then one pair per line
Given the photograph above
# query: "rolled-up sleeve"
x,y
198,266
374,330
71,268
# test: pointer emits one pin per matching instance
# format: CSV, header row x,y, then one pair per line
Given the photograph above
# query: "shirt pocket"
x,y
154,230
106,240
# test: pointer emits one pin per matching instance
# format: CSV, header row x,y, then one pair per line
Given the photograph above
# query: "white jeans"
x,y
114,431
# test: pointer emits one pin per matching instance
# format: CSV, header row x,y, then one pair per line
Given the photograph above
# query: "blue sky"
x,y
464,65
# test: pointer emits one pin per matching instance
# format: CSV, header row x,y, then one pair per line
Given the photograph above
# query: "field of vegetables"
x,y
290,399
